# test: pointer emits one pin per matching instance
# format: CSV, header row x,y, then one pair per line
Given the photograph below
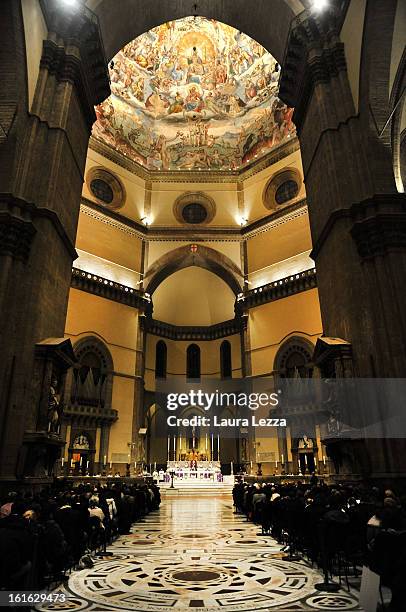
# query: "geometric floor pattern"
x,y
195,554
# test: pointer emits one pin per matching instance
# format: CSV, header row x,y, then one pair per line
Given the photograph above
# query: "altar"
x,y
199,471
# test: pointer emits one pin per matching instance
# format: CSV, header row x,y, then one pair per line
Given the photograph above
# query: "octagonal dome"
x,y
193,94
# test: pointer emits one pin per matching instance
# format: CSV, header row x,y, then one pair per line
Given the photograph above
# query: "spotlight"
x,y
146,220
319,5
71,3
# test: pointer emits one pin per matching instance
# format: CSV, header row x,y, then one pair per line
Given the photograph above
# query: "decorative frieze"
x,y
97,285
277,290
189,333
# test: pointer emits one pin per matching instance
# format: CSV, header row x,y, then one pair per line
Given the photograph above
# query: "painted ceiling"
x,y
193,94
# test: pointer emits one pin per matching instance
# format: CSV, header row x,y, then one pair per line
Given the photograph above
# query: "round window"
x,y
194,213
102,190
287,191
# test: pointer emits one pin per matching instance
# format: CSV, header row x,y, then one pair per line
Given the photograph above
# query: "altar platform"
x,y
198,487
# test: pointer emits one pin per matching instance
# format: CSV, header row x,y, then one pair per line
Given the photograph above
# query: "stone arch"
x,y
398,107
294,344
269,24
186,256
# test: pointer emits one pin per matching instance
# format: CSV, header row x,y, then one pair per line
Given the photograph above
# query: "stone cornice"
x,y
90,413
17,214
191,333
105,288
370,236
186,234
277,290
108,289
203,176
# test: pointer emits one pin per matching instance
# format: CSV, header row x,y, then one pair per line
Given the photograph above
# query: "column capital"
x,y
74,52
314,54
380,225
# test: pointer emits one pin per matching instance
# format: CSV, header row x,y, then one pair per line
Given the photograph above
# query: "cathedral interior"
x,y
199,193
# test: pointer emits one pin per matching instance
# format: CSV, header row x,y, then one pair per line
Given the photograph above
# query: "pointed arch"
x,y
193,255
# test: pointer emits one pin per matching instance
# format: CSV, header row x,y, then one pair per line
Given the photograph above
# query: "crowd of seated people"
x,y
45,535
339,528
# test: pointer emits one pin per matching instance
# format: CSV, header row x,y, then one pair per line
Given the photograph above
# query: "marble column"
x,y
42,159
357,217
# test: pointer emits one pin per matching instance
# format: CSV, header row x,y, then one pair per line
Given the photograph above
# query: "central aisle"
x,y
196,554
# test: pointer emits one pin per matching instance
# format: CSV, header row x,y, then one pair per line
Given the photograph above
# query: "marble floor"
x,y
196,554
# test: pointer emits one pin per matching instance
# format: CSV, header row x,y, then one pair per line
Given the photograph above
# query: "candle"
x,y
282,459
174,444
87,465
62,461
169,441
155,465
81,461
324,460
111,464
105,459
276,464
305,459
72,463
232,468
251,465
218,448
206,442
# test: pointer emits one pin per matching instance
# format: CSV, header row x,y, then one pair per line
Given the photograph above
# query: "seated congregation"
x,y
339,528
44,536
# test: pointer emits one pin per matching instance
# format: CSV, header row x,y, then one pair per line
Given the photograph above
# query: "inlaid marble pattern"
x,y
196,554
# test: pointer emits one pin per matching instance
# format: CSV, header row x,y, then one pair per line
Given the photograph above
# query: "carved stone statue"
x,y
54,406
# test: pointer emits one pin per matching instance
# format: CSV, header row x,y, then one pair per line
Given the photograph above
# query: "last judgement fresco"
x,y
193,94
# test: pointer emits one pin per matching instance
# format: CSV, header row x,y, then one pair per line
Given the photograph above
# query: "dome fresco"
x,y
193,94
